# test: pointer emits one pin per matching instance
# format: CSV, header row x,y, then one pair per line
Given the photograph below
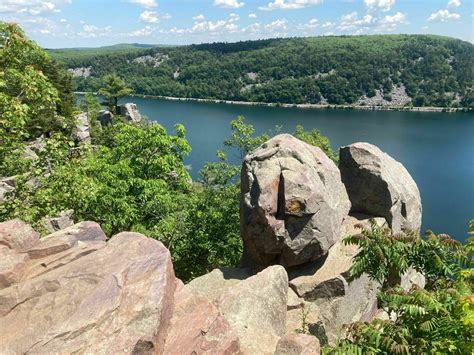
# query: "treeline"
x,y
435,70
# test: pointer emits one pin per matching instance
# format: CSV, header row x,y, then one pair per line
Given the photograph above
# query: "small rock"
x,y
63,221
298,344
105,117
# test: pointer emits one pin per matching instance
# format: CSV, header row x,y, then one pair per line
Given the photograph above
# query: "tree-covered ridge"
x,y
434,70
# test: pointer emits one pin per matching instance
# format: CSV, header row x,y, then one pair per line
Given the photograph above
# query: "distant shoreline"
x,y
304,106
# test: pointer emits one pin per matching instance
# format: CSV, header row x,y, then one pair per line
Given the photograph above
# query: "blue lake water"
x,y
436,148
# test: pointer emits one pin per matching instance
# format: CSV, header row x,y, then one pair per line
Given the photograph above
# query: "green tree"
x,y
30,104
114,88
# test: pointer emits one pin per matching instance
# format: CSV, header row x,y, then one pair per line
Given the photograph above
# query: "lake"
x,y
436,148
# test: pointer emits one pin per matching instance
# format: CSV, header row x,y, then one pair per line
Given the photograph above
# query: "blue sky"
x,y
79,23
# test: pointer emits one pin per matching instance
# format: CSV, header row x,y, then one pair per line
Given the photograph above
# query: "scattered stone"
x,y
154,61
292,203
130,112
380,186
398,95
63,221
298,344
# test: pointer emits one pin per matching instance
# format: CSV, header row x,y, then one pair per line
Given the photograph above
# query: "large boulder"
x,y
130,112
378,185
64,220
292,203
78,294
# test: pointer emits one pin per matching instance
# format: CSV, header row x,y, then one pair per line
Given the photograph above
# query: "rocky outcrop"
x,y
378,185
130,112
84,72
292,203
82,130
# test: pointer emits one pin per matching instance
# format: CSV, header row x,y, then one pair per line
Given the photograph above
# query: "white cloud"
x,y
280,24
443,16
31,7
289,4
454,3
384,5
145,3
63,20
149,16
143,32
351,21
252,15
235,4
234,18
394,19
310,25
328,24
389,23
91,31
199,17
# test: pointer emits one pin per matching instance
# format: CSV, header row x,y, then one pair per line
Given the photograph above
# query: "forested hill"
x,y
398,70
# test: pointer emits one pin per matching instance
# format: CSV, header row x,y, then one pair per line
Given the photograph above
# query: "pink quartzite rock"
x,y
197,327
115,299
292,203
18,235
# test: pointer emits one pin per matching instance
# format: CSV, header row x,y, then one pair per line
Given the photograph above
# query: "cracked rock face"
x,y
292,203
380,186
